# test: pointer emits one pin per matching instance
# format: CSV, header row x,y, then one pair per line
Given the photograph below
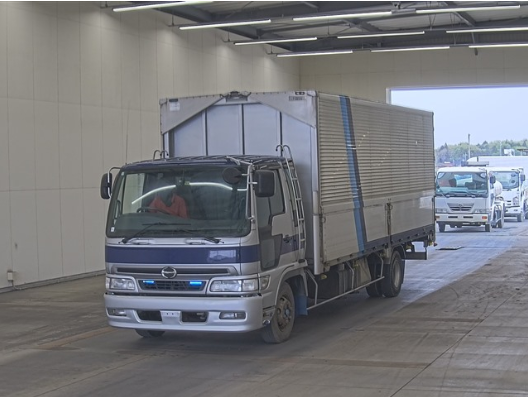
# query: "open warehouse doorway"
x,y
471,121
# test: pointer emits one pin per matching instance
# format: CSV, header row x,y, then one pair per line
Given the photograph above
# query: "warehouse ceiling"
x,y
371,25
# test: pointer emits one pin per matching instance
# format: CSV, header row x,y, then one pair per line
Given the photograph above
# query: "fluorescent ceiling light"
x,y
275,41
487,30
157,5
307,54
466,9
412,49
360,36
498,45
345,16
224,24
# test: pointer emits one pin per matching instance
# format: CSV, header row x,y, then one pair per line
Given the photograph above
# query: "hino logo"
x,y
169,272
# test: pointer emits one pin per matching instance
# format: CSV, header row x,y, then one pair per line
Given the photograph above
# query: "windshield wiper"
x,y
186,231
148,226
214,240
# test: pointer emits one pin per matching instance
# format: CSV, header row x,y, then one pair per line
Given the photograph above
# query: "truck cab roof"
x,y
513,169
262,161
463,169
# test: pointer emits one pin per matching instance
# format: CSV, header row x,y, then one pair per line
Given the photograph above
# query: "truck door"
x,y
275,227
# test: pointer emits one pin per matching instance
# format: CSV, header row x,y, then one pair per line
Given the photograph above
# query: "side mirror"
x,y
523,177
492,179
265,183
106,186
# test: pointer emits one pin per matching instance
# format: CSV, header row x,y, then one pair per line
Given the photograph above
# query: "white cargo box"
x,y
366,169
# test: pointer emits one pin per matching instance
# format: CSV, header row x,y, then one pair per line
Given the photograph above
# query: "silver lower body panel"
x,y
172,309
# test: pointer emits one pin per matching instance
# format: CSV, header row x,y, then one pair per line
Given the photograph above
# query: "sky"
x,y
487,113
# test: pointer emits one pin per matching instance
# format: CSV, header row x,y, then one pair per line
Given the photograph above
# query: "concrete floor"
x,y
459,328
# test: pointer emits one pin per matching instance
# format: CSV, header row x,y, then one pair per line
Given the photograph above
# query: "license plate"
x,y
170,316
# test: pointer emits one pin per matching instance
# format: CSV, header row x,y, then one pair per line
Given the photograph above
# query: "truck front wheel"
x,y
393,276
487,227
281,325
441,227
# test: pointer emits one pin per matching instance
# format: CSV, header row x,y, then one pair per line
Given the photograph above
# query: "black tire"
x,y
147,333
501,221
393,276
374,290
281,325
520,217
441,227
487,227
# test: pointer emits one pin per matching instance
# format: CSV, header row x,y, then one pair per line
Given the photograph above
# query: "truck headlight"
x,y
247,285
115,283
481,211
515,201
441,210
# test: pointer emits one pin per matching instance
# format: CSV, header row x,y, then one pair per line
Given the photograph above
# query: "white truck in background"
x,y
468,196
265,238
510,172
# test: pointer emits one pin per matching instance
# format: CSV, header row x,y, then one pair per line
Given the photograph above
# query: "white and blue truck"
x,y
265,238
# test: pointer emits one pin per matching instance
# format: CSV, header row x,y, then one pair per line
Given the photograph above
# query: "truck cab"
x,y
224,257
468,196
514,191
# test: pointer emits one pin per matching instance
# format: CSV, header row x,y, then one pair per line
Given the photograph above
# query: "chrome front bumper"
x,y
513,211
472,219
170,313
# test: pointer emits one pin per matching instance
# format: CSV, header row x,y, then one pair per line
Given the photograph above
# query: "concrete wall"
x,y
369,75
79,91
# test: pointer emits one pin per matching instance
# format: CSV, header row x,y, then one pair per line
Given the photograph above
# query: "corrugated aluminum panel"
x,y
395,149
339,188
334,172
371,154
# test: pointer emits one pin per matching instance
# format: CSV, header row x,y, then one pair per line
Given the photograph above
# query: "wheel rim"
x,y
397,271
284,313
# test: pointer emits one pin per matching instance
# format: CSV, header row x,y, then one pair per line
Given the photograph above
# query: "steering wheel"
x,y
150,209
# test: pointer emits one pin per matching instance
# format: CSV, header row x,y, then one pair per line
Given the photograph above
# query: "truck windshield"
x,y
179,201
508,179
462,184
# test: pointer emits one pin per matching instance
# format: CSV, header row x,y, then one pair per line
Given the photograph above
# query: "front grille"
x,y
157,270
460,207
171,285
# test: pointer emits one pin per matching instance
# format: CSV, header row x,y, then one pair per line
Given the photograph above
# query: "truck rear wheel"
x,y
374,290
147,333
393,276
281,325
